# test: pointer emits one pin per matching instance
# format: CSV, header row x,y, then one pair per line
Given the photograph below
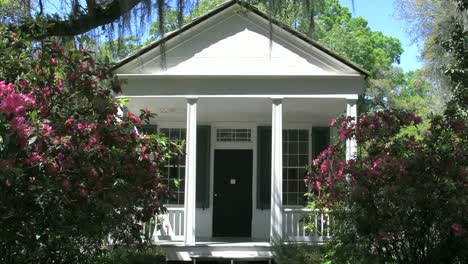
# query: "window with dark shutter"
x,y
320,140
203,166
263,167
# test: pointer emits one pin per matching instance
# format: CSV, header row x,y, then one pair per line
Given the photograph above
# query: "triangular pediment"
x,y
235,41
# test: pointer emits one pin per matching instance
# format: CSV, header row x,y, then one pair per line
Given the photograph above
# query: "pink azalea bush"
x,y
73,176
400,200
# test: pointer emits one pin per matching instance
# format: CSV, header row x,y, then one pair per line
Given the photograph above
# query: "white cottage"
x,y
254,113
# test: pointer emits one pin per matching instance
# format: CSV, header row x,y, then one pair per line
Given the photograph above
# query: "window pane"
x,y
292,186
303,135
175,169
293,148
293,135
292,198
304,148
293,160
303,160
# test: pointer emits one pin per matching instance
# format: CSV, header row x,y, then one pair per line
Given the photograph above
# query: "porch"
x,y
235,125
171,239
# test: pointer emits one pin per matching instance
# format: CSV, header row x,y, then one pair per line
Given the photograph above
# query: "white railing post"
x,y
190,171
276,217
351,145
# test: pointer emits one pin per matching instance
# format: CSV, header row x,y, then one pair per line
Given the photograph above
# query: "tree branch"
x,y
83,22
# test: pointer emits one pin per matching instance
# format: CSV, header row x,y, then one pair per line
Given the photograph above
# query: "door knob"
x,y
215,195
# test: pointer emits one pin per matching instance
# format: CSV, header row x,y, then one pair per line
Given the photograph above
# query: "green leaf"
x,y
32,140
123,101
34,115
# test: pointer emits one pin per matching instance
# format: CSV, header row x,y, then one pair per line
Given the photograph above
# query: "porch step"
x,y
219,251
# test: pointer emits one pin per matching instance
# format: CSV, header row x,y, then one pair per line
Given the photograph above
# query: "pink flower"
x,y
60,85
94,138
6,88
93,174
7,183
17,122
34,159
458,230
69,121
333,122
376,163
324,166
315,162
16,104
82,127
53,167
53,61
67,144
318,185
66,185
132,117
110,118
47,128
83,193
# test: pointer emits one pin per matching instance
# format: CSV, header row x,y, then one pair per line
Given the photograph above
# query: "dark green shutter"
x,y
263,167
320,140
203,166
149,129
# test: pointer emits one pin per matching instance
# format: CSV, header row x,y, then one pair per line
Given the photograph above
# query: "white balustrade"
x,y
169,226
296,225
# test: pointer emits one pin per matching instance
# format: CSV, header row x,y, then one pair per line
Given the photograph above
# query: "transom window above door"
x,y
233,135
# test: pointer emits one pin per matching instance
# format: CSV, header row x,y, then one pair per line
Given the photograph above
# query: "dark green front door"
x,y
232,208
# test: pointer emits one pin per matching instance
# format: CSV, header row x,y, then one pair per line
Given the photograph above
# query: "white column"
x,y
351,146
190,172
276,218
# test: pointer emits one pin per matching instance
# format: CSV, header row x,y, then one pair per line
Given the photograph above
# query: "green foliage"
x,y
74,175
170,24
457,70
117,49
295,253
352,37
435,24
131,255
204,6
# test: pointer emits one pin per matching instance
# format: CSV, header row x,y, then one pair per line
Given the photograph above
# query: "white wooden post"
x,y
351,145
190,172
276,218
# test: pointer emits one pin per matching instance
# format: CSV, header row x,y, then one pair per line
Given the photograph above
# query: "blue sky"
x,y
379,13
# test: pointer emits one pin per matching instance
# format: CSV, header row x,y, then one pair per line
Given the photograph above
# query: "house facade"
x,y
253,108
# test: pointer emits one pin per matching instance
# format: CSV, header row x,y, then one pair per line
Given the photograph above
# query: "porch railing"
x,y
299,224
302,224
170,226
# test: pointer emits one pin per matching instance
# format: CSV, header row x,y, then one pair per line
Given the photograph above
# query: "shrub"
x,y
295,253
131,255
401,200
74,175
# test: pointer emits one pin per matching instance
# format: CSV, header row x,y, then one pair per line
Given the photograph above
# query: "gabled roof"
x,y
255,11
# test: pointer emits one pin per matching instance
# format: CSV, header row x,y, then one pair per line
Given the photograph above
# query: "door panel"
x,y
232,208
